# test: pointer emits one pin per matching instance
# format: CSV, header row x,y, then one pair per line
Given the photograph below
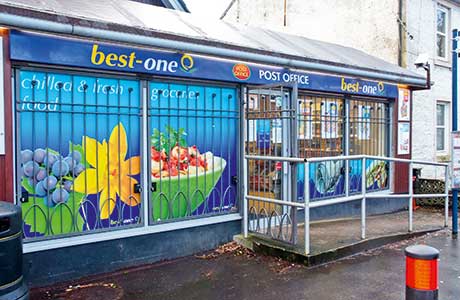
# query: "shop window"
x,y
320,130
442,32
267,134
441,126
369,122
369,127
193,150
81,147
321,133
79,153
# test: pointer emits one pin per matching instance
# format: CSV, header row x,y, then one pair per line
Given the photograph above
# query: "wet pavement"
x,y
232,272
327,235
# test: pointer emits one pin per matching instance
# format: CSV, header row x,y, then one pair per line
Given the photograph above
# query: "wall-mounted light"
x,y
423,61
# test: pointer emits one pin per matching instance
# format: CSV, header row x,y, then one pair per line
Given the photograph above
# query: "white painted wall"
x,y
352,23
371,26
421,20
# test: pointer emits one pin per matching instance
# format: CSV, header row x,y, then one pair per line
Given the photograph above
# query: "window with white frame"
x,y
442,32
441,126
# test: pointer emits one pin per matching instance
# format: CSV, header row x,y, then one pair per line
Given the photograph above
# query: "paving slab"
x,y
334,239
327,235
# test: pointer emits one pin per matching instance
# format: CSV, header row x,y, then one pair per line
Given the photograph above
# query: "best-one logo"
x,y
241,71
130,60
187,63
359,87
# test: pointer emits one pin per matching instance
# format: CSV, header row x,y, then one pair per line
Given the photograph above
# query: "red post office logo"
x,y
241,71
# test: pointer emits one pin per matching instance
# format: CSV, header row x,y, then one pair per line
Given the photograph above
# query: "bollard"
x,y
421,273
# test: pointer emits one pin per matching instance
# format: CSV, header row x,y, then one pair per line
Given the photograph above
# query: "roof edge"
x,y
53,23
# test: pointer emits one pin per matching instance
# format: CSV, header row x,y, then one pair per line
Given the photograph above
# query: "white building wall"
x,y
421,23
371,26
352,23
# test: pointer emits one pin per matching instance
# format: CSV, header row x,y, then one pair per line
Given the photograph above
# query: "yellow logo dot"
x,y
186,62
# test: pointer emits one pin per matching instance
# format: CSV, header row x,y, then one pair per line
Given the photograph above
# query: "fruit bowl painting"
x,y
179,196
182,177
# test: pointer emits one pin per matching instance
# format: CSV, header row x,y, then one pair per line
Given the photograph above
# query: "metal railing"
x,y
276,219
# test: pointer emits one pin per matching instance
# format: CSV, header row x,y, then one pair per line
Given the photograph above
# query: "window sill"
x,y
442,63
36,246
442,156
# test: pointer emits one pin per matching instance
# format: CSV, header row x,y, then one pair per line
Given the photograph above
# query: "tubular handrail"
x,y
342,157
275,201
363,195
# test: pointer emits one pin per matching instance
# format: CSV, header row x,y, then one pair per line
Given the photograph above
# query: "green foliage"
x,y
52,220
79,148
168,139
48,150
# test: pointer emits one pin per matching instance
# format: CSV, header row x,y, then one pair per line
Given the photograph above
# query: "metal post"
x,y
245,200
363,200
307,207
454,123
286,180
347,146
244,185
411,198
446,198
145,157
241,147
390,150
293,153
347,178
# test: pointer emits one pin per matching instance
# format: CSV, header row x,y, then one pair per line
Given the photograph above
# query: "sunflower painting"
x,y
110,175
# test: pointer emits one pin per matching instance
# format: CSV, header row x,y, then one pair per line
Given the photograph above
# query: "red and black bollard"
x,y
421,273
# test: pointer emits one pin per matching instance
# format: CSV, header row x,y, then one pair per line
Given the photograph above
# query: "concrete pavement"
x,y
232,272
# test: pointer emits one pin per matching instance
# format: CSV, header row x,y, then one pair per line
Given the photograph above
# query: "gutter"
x,y
70,29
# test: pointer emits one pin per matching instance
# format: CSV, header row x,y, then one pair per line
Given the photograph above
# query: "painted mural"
x,y
193,149
80,152
79,164
327,179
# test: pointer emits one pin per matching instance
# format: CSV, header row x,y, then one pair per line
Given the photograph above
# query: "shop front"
x,y
139,149
341,117
99,151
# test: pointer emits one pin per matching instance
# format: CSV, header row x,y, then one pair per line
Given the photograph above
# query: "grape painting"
x,y
49,174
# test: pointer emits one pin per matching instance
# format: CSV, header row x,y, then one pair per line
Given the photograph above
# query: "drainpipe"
x,y
455,37
402,36
427,68
49,26
285,13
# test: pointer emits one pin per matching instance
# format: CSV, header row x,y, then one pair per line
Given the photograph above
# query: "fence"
x,y
277,218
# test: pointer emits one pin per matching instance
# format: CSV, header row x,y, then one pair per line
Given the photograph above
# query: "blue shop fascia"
x,y
73,53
